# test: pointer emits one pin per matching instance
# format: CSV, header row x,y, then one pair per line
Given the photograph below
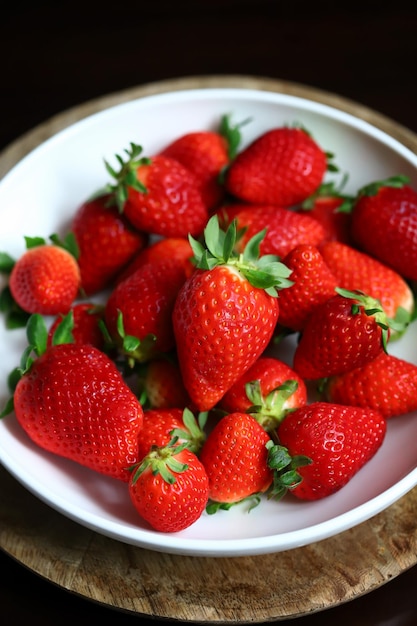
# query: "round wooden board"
x,y
195,589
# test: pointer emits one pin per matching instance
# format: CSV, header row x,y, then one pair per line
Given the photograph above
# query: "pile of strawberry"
x,y
155,322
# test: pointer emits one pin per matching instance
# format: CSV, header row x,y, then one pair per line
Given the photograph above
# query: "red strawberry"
x,y
285,229
169,488
46,278
346,331
158,195
225,313
283,166
339,440
388,384
384,224
72,401
161,425
86,317
235,457
161,384
106,242
357,270
138,311
268,390
313,284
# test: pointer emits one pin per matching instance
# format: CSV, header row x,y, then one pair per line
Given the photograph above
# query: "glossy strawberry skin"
x,y
235,458
336,340
74,403
222,325
106,242
172,205
163,385
385,226
388,384
338,439
283,167
171,507
156,429
45,280
337,225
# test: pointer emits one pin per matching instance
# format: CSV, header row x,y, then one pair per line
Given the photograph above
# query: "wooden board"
x,y
196,589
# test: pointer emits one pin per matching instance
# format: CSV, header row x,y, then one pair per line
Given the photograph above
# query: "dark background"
x,y
58,54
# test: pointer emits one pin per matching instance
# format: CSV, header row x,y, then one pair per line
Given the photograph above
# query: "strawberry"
x,y
45,279
283,166
161,384
347,331
106,242
339,440
71,400
158,195
357,270
225,313
169,488
388,384
313,284
268,390
86,318
161,425
285,229
384,224
235,458
139,309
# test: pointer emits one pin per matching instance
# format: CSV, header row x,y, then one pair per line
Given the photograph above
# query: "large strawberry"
x,y
225,313
347,331
106,242
387,384
339,440
158,195
169,488
72,401
283,166
384,224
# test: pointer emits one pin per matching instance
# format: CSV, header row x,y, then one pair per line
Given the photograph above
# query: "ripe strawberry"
x,y
46,277
339,440
72,401
268,390
285,228
106,242
384,224
169,488
86,317
158,195
347,331
161,425
283,166
313,284
138,311
161,385
388,384
357,270
225,313
235,458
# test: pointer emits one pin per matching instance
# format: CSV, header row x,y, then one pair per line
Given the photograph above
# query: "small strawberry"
x,y
86,318
71,400
313,284
106,243
161,425
347,331
161,385
357,270
283,166
235,458
158,195
384,224
339,440
268,390
169,488
388,384
225,313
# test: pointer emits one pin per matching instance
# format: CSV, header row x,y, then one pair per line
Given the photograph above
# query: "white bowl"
x,y
38,197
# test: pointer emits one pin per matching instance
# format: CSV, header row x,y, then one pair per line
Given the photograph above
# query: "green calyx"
x,y
136,350
284,466
269,410
329,189
393,181
163,461
264,272
193,434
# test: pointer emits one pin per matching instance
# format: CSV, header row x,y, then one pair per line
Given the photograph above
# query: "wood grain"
x,y
195,589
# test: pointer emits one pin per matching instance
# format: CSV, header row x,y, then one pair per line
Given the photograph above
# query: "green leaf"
x,y
33,242
6,263
63,332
